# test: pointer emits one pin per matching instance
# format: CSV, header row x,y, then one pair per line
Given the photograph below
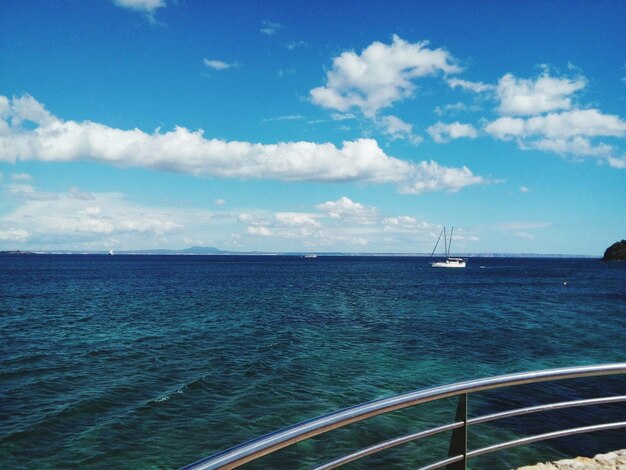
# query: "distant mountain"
x,y
202,250
616,252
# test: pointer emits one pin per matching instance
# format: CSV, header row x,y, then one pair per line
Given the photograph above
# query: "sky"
x,y
312,126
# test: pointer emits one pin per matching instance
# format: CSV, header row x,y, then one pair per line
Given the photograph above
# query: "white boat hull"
x,y
450,263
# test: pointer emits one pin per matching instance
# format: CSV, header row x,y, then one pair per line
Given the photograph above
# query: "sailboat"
x,y
448,262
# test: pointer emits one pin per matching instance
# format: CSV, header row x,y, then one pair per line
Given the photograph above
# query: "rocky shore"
x,y
616,252
612,461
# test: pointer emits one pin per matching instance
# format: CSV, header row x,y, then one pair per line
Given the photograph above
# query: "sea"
x,y
154,362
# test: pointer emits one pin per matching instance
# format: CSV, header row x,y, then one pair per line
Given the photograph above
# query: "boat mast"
x,y
445,241
440,233
450,243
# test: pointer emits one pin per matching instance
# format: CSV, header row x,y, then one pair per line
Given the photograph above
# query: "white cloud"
x,y
541,114
406,224
527,97
21,177
185,151
523,189
75,193
295,45
252,219
219,202
587,123
269,27
28,191
398,129
26,108
66,218
102,219
567,132
452,108
296,219
91,221
381,75
288,117
258,231
617,162
14,235
441,132
476,87
345,208
342,116
506,128
218,64
577,146
433,177
146,6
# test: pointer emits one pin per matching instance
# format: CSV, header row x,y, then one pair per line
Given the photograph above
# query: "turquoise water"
x,y
158,361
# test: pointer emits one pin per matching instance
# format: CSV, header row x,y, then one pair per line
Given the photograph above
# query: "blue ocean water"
x,y
157,361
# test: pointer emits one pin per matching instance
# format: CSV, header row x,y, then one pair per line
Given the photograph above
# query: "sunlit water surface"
x,y
157,361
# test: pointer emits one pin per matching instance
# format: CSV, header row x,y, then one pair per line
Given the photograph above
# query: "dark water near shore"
x,y
156,361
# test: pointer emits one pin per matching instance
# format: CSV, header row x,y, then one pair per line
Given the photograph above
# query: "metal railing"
x,y
458,453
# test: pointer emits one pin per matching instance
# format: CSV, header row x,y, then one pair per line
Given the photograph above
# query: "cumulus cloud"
x,y
24,108
92,221
454,108
525,97
567,132
185,151
381,75
588,123
218,64
345,208
542,114
14,235
296,219
431,176
441,132
398,129
258,231
476,87
617,162
75,219
406,224
144,6
59,218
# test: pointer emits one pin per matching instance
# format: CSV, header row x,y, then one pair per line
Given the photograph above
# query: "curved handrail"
x,y
256,448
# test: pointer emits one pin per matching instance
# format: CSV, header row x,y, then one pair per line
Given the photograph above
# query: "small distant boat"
x,y
110,253
310,255
448,262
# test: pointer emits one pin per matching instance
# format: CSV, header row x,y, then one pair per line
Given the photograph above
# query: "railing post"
x,y
458,442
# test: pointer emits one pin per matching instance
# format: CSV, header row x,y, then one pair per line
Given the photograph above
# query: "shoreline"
x,y
615,460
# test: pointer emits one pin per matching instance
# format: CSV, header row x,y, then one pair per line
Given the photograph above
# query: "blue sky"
x,y
349,126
